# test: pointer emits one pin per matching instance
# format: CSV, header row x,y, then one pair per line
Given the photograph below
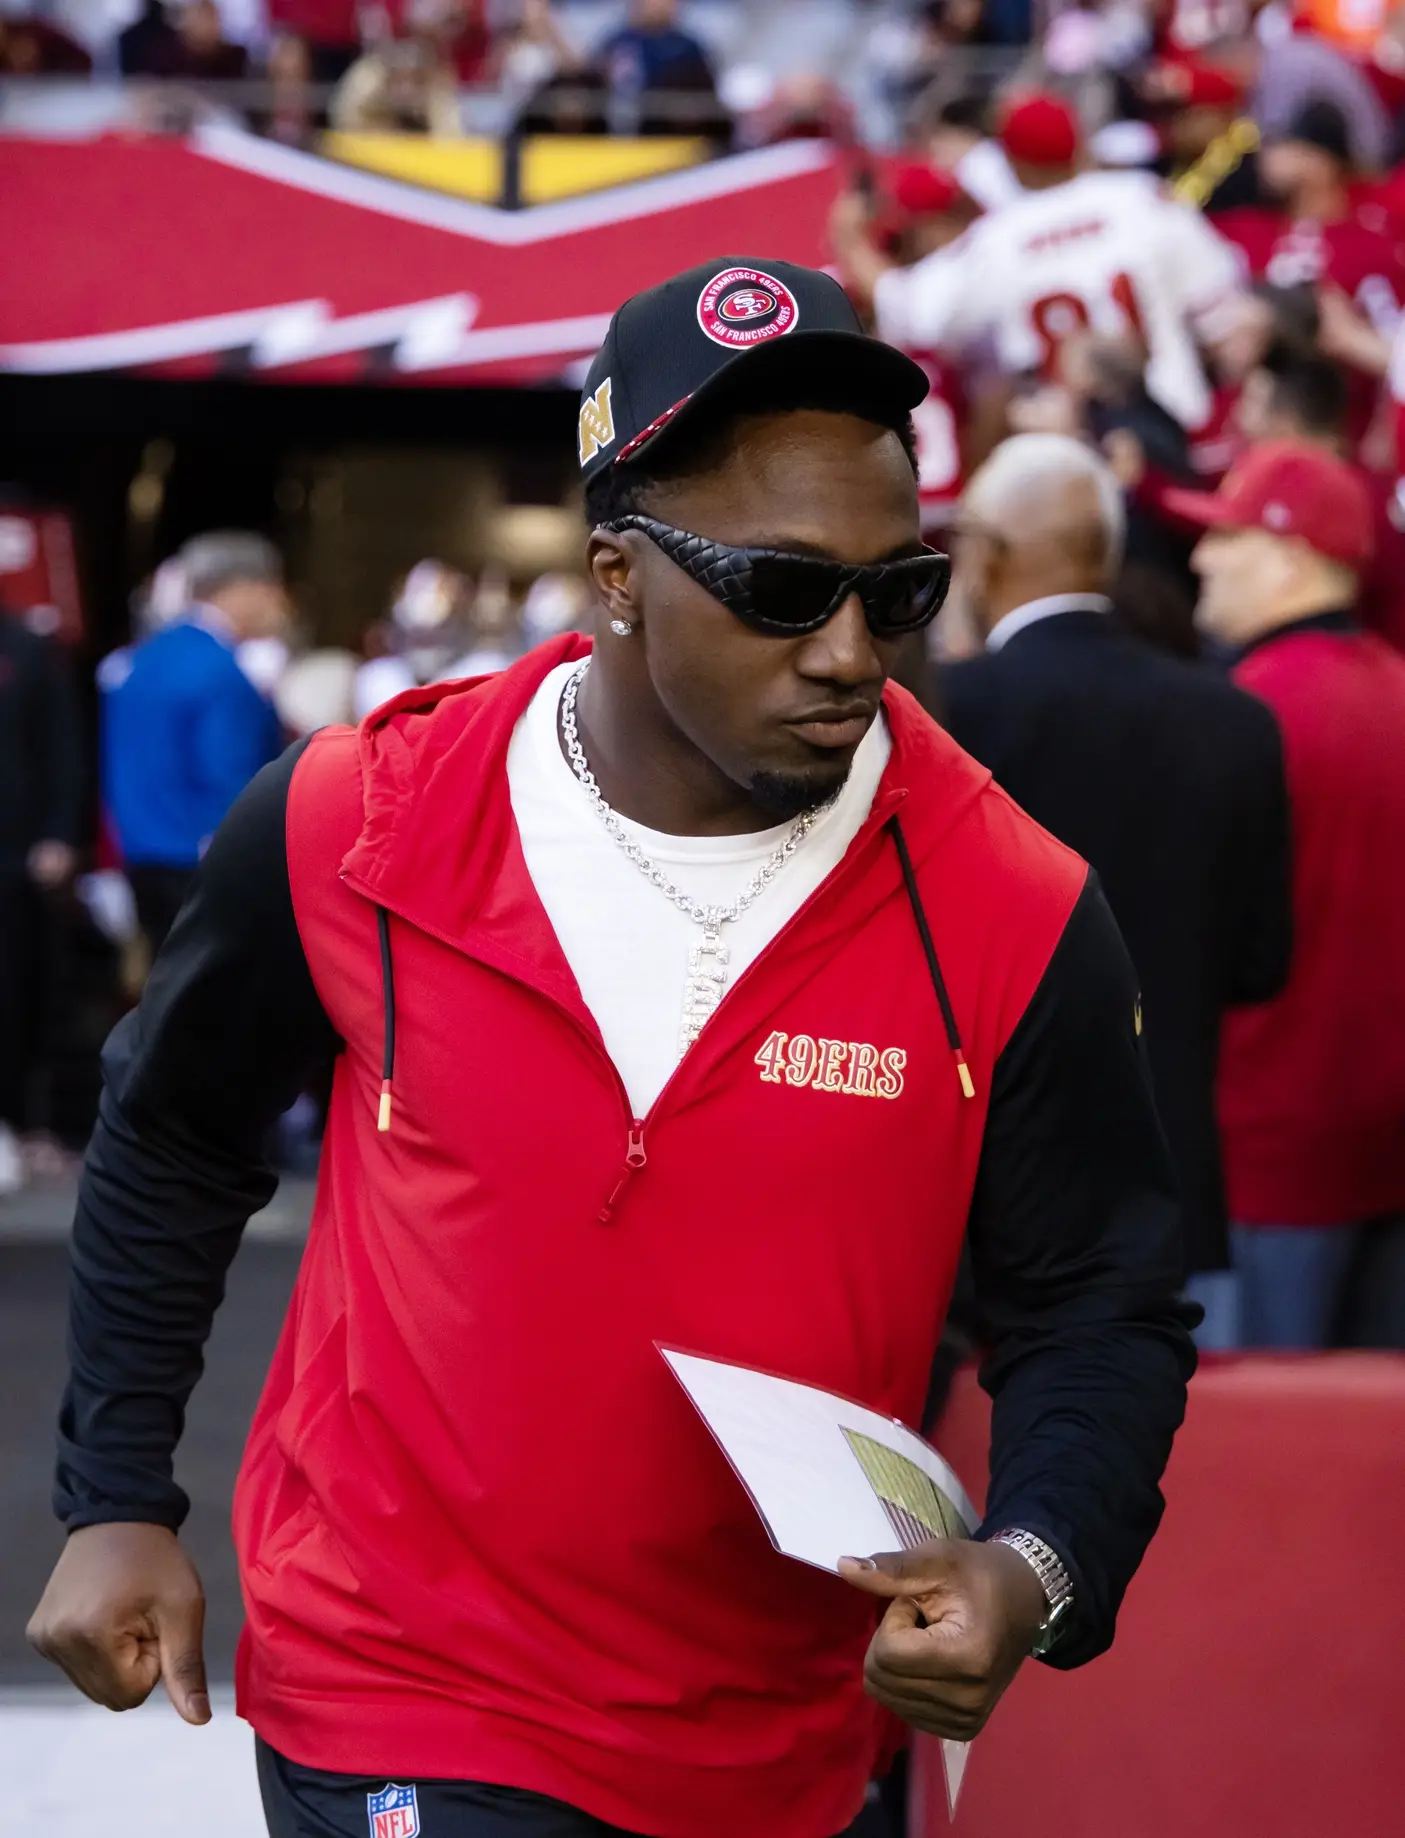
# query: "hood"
x,y
437,823
438,826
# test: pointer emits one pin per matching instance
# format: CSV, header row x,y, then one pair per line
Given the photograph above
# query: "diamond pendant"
x,y
707,979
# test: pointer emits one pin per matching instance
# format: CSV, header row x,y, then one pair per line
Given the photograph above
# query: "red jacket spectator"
x,y
1320,234
1312,1084
1312,1088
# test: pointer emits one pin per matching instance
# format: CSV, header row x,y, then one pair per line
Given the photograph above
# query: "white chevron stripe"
x,y
426,334
308,172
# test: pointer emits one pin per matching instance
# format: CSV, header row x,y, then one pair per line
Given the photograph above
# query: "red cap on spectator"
x,y
921,190
1288,490
1192,84
1041,130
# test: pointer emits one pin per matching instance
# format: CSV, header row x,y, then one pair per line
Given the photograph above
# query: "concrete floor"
x,y
71,1770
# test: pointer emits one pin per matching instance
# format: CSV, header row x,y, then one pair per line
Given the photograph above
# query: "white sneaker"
x,y
11,1161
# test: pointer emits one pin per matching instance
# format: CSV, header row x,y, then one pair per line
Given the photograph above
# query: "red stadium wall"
x,y
1254,1690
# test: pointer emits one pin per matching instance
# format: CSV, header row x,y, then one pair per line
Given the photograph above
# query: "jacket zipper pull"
x,y
635,1157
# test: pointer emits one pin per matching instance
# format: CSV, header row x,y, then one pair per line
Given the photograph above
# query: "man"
x,y
1208,138
184,728
1317,237
652,54
1167,780
656,1020
929,212
41,788
1306,399
1312,1085
1101,250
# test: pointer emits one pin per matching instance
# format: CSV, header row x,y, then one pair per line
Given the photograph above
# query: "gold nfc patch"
x,y
596,428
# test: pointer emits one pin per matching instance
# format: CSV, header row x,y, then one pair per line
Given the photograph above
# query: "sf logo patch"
x,y
394,1812
750,303
743,306
596,428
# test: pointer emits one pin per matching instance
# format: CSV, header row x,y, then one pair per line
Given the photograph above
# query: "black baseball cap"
x,y
722,329
1321,124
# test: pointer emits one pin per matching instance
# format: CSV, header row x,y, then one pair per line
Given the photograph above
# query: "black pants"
x,y
305,1803
159,893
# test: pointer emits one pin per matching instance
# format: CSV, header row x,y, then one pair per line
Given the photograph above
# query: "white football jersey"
x,y
1108,250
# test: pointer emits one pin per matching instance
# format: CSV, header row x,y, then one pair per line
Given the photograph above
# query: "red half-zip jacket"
x,y
1312,1084
482,1533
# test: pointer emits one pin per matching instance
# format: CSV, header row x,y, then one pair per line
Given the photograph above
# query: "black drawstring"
x,y
924,932
388,1003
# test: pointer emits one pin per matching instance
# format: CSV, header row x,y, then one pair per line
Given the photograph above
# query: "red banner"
x,y
226,254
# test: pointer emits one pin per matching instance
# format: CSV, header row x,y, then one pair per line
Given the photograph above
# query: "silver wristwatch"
x,y
1054,1580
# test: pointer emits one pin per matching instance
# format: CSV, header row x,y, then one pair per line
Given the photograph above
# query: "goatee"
x,y
784,796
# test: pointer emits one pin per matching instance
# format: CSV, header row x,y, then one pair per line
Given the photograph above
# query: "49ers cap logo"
x,y
744,306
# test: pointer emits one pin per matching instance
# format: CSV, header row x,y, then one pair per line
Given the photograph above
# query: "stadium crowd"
x,y
1154,268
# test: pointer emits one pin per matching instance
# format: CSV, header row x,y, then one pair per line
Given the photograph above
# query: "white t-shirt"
x,y
1108,250
627,944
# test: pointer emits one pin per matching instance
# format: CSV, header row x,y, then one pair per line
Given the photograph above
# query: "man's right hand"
x,y
123,1608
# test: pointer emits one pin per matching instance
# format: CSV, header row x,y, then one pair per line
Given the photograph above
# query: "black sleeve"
x,y
1260,944
228,1029
1075,1238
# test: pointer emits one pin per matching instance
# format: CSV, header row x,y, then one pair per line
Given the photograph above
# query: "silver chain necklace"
x,y
708,960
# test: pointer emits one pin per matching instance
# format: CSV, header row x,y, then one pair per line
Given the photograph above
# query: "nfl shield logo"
x,y
394,1812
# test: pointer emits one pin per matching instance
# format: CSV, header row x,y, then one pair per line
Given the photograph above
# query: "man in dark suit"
x,y
1165,777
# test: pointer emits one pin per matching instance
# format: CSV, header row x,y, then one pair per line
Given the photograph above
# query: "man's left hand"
x,y
961,1618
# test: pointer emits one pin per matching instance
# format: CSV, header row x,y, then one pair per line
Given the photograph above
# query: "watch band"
x,y
1054,1580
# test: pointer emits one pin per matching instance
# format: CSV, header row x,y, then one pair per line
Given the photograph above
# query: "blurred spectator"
x,y
34,48
1312,1084
193,48
1076,250
924,210
938,28
401,86
1098,393
533,53
954,138
290,113
458,29
652,51
1302,397
805,107
1168,780
1195,25
1317,236
1299,69
494,636
1208,143
40,795
317,690
138,44
555,603
429,630
185,729
331,30
650,58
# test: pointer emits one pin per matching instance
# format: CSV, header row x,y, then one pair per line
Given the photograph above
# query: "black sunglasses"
x,y
775,591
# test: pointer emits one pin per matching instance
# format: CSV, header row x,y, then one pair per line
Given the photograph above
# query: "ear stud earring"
x,y
621,628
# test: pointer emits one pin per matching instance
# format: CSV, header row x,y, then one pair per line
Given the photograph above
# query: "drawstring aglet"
x,y
963,1072
383,1114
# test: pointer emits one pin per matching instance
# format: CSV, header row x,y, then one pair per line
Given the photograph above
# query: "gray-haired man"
x,y
185,730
